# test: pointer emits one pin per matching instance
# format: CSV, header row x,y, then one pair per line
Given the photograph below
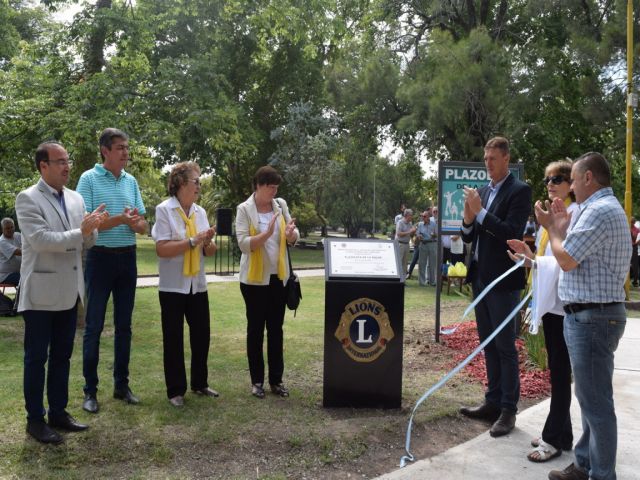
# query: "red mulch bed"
x,y
534,383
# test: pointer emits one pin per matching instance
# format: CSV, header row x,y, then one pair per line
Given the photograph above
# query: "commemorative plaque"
x,y
363,336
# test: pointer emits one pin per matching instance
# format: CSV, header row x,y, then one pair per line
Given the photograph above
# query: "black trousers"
x,y
175,307
557,429
48,340
501,356
265,305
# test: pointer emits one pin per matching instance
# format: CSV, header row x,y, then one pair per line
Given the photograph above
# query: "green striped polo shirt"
x,y
99,185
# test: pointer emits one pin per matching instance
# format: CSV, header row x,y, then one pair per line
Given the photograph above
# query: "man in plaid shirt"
x,y
594,258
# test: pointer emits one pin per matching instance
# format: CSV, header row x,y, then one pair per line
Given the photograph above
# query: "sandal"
x,y
543,452
280,389
535,442
257,390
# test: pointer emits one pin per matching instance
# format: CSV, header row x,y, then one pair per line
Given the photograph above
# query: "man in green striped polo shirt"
x,y
111,263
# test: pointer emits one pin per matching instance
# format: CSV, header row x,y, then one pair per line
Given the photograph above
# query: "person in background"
x,y
404,231
55,231
416,251
557,434
530,227
427,244
635,232
400,214
264,227
183,238
457,249
10,253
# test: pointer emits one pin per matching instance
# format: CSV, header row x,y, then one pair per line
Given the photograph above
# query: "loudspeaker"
x,y
223,221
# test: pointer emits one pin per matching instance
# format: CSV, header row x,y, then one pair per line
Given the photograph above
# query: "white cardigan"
x,y
247,214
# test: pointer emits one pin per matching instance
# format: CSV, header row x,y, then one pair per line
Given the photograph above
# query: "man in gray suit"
x,y
55,229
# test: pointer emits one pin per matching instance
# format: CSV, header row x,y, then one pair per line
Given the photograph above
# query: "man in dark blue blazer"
x,y
492,215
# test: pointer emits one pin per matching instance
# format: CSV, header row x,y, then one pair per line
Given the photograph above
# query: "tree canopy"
x,y
315,87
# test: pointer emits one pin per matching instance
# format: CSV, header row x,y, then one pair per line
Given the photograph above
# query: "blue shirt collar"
x,y
497,186
603,192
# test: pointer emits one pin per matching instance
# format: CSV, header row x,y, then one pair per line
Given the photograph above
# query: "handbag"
x,y
292,290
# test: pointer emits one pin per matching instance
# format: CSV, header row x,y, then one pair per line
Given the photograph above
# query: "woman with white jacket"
x,y
263,228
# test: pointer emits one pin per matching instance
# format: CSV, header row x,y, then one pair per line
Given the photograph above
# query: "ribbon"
x,y
409,456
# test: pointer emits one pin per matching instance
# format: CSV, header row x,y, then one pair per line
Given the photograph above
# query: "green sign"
x,y
452,178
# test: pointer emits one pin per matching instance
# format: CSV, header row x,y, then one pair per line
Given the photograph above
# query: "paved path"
x,y
485,457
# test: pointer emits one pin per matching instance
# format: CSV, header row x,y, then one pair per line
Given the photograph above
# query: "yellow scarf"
x,y
256,264
191,264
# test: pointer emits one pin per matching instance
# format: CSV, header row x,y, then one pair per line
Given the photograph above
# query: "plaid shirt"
x,y
599,242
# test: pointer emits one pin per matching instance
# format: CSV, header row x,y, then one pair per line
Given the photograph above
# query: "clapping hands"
x,y
93,220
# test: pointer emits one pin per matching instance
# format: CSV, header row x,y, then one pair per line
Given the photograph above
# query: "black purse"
x,y
292,290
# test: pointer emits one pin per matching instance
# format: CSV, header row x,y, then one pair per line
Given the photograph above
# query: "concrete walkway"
x,y
485,457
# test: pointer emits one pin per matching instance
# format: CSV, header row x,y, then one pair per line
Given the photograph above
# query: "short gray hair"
x,y
407,211
6,221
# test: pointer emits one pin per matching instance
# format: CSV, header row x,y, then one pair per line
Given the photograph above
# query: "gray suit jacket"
x,y
51,270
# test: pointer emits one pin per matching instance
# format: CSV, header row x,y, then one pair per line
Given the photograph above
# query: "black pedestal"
x,y
363,339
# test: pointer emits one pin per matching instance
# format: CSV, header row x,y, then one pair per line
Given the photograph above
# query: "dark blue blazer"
x,y
505,219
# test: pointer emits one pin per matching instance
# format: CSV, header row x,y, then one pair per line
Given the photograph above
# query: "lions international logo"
x,y
364,330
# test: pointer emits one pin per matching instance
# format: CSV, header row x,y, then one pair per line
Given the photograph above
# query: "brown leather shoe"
x,y
486,411
505,423
572,472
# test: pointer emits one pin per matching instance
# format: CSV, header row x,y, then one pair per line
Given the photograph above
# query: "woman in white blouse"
x,y
183,238
557,434
263,228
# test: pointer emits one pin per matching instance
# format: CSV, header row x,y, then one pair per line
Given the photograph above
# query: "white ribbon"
x,y
409,456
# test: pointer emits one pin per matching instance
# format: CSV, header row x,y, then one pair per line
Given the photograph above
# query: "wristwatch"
x,y
192,242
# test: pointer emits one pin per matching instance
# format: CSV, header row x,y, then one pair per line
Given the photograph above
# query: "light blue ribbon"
x,y
409,456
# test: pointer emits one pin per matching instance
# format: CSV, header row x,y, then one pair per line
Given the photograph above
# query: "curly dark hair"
x,y
179,176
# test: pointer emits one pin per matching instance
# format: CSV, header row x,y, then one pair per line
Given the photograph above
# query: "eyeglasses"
x,y
195,181
555,179
61,162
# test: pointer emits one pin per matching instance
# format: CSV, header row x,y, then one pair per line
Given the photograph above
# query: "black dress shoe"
x,y
504,424
66,422
486,411
126,395
43,433
90,403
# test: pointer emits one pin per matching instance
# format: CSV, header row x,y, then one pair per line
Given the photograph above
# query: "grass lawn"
x,y
236,435
148,261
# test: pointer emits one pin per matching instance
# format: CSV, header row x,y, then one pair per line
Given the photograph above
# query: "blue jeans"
x,y
592,336
108,273
47,336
